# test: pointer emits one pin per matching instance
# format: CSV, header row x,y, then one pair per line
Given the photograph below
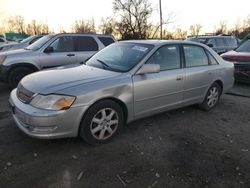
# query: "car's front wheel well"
x,y
118,101
27,65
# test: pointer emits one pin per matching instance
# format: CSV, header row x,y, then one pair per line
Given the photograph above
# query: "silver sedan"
x,y
121,83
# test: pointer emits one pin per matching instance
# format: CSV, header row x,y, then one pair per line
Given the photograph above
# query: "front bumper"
x,y
45,123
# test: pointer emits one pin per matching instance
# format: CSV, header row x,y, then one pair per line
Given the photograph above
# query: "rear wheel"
x,y
17,74
212,97
101,122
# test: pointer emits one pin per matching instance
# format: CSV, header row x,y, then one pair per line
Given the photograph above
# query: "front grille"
x,y
23,94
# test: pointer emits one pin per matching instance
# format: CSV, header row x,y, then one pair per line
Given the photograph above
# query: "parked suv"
x,y
48,52
23,44
219,44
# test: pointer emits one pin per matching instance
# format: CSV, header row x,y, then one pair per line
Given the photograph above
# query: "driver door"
x,y
157,92
62,54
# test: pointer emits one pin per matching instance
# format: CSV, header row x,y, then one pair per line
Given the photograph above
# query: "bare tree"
x,y
107,26
195,29
180,34
134,18
222,28
82,26
37,28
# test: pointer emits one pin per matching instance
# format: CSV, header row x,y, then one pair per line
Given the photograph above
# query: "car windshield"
x,y
27,39
39,43
245,47
120,57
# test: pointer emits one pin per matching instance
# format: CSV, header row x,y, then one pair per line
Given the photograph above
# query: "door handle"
x,y
179,78
210,73
70,55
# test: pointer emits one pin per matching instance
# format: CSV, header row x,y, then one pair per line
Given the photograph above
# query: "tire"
x,y
17,74
101,122
212,97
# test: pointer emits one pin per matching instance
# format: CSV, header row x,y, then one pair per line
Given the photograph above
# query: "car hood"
x,y
54,80
236,56
15,52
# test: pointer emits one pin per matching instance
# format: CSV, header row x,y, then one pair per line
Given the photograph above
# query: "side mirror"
x,y
148,68
49,49
210,45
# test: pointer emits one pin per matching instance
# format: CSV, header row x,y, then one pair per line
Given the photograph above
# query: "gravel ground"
x,y
181,148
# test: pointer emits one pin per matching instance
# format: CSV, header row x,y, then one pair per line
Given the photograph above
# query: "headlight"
x,y
52,102
2,58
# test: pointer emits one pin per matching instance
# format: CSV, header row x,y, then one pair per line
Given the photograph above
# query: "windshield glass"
x,y
119,57
27,39
245,47
39,43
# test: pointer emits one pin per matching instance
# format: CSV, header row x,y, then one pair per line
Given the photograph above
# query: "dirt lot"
x,y
181,148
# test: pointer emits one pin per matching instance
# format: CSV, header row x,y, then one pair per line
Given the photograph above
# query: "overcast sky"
x,y
63,12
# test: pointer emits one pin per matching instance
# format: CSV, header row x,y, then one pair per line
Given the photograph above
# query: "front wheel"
x,y
17,74
102,122
212,97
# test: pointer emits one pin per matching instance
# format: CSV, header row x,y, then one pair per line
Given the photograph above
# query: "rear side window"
x,y
212,60
194,56
230,41
85,43
219,42
106,40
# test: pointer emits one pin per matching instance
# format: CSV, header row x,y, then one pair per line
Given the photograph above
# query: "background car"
x,y
50,51
20,45
241,59
219,44
121,83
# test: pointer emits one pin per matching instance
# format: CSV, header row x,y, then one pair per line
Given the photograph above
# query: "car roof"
x,y
85,34
161,42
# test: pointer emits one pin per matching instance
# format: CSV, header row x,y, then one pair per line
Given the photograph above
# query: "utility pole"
x,y
160,19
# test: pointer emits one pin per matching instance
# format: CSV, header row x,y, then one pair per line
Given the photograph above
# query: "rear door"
x,y
62,54
198,73
85,47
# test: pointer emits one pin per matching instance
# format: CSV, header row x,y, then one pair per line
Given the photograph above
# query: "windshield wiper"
x,y
103,63
27,48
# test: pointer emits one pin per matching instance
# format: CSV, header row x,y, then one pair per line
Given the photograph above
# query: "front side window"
x,y
120,57
167,57
194,56
211,42
85,43
63,44
1,40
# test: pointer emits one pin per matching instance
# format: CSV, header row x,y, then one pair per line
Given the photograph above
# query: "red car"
x,y
241,59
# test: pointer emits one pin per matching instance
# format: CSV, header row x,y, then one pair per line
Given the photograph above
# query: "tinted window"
x,y
167,57
63,44
106,40
1,40
230,41
84,43
219,42
245,47
195,56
